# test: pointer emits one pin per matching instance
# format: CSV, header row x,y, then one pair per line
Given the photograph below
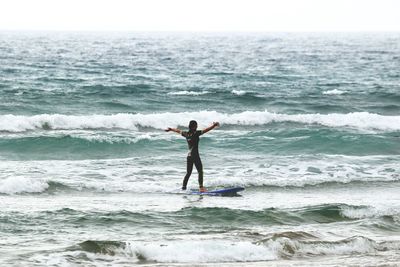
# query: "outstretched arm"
x,y
173,130
215,124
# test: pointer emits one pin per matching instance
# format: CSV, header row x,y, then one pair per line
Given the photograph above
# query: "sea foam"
x,y
219,251
15,185
238,92
202,251
356,120
369,212
188,93
334,92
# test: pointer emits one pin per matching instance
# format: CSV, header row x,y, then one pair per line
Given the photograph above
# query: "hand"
x,y
215,124
168,129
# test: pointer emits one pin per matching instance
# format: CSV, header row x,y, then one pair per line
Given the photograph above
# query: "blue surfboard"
x,y
220,192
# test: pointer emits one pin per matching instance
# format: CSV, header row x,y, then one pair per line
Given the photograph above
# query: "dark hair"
x,y
192,125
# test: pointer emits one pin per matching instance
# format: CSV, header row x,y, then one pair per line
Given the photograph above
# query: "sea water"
x,y
310,126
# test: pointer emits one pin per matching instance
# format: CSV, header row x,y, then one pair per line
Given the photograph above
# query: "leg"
x,y
199,167
189,168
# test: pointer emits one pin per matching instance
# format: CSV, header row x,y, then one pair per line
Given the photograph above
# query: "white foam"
x,y
188,93
183,251
369,212
238,92
202,251
301,171
14,123
217,252
137,175
333,92
357,120
15,185
127,139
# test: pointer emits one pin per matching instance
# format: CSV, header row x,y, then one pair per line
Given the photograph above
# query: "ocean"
x,y
310,126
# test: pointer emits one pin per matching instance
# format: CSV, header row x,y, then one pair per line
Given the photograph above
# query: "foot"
x,y
183,188
203,189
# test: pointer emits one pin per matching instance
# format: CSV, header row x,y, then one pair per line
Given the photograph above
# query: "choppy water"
x,y
310,126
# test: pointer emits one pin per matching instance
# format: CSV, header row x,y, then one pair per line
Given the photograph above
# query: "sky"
x,y
201,15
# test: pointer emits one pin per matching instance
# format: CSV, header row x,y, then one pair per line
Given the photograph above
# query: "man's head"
x,y
193,125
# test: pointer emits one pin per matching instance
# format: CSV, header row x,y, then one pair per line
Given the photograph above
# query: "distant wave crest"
x,y
188,93
334,92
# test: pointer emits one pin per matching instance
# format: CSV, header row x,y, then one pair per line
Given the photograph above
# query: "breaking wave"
x,y
213,251
356,120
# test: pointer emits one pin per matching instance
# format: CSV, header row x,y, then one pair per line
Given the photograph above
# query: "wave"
x,y
325,213
329,184
23,185
262,174
271,216
80,139
303,172
289,248
78,146
239,92
144,184
217,218
217,251
17,185
363,212
113,90
192,93
357,120
279,141
73,217
333,92
206,251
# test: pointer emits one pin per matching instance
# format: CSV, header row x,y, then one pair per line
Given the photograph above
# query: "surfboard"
x,y
219,192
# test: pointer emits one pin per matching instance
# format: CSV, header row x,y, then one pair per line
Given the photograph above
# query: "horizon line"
x,y
194,31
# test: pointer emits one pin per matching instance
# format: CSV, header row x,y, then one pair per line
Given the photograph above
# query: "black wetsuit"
x,y
193,138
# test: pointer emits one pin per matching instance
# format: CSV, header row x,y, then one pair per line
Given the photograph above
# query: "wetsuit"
x,y
193,138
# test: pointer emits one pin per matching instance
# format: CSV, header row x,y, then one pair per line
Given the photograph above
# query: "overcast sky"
x,y
201,15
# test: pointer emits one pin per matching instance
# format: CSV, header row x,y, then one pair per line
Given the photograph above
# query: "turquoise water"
x,y
310,126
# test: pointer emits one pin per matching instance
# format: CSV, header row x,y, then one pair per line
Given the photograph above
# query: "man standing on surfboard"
x,y
193,137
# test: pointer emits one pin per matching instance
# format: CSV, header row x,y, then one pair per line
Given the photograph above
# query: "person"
x,y
193,137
